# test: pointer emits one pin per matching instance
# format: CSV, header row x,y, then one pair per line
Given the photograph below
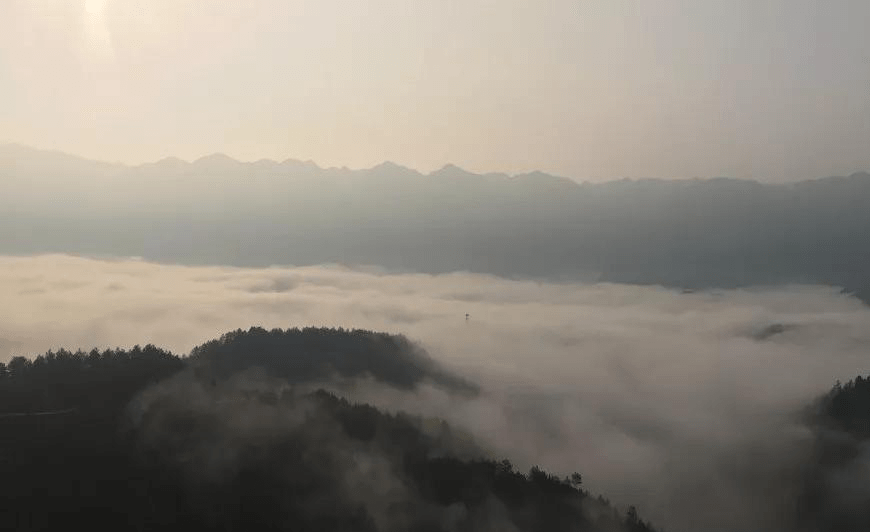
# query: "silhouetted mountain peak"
x,y
216,160
168,163
171,160
389,166
391,169
297,164
452,171
28,159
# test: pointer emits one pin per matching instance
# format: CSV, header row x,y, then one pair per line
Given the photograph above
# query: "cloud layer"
x,y
681,403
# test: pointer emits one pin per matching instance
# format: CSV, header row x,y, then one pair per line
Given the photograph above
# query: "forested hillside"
x,y
835,496
141,439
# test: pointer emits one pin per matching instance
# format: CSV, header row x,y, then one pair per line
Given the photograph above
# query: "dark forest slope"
x,y
318,354
136,440
836,496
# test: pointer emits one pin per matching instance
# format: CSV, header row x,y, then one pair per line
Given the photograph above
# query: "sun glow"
x,y
98,37
95,7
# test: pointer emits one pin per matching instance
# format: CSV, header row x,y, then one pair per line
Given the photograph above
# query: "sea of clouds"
x,y
682,403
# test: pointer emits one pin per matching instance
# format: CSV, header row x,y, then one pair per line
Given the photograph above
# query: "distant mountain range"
x,y
693,233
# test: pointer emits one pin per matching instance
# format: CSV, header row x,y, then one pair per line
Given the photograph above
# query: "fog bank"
x,y
680,402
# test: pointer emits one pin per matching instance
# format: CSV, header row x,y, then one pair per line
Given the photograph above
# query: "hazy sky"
x,y
592,89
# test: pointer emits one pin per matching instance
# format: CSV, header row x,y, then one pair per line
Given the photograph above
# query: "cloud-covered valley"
x,y
682,402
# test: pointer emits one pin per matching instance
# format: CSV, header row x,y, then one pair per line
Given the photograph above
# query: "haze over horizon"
x,y
592,90
449,266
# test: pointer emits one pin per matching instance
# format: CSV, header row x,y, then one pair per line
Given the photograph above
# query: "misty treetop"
x,y
833,496
97,379
311,354
847,407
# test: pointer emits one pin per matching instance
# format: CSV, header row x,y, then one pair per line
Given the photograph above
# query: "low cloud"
x,y
679,402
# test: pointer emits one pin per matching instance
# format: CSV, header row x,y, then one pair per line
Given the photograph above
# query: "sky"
x,y
683,404
777,90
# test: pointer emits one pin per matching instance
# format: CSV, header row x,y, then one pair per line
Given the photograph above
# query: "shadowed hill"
x,y
141,439
150,446
318,354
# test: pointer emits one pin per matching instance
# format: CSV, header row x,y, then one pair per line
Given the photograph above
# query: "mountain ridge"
x,y
694,233
216,160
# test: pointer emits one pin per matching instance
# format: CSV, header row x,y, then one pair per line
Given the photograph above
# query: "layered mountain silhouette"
x,y
684,233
